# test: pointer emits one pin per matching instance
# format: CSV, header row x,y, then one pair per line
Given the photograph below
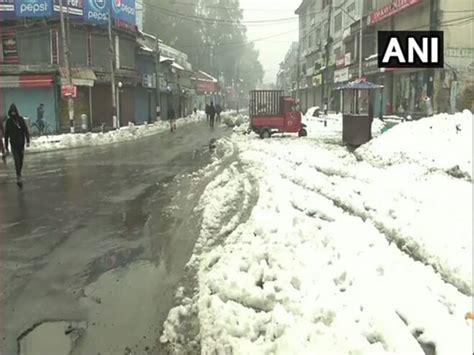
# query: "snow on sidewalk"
x,y
127,133
337,256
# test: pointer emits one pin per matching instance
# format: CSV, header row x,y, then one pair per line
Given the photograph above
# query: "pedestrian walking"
x,y
16,133
2,136
212,114
172,119
218,113
207,112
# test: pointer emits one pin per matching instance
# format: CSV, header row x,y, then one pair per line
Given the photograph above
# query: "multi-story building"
x,y
33,70
286,77
331,52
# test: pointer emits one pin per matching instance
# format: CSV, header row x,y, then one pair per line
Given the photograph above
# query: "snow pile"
x,y
235,120
305,249
298,275
440,142
127,133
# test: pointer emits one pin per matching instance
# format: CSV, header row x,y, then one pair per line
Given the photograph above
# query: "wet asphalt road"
x,y
90,240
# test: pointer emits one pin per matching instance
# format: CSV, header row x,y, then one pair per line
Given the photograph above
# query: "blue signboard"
x,y
124,10
71,7
96,11
33,8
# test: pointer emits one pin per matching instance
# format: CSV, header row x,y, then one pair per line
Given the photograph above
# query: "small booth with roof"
x,y
357,123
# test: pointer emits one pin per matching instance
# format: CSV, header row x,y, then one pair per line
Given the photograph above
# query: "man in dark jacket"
x,y
172,119
16,133
207,112
2,136
212,114
218,113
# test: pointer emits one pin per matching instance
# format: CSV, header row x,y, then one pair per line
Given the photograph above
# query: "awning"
x,y
81,77
26,81
166,59
177,66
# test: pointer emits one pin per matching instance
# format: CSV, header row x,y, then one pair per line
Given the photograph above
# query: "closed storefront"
x,y
28,92
409,90
102,105
144,105
126,104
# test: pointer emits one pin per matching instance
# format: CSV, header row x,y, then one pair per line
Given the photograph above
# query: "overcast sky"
x,y
272,50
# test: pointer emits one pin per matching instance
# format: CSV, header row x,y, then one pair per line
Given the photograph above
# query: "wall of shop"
x,y
28,99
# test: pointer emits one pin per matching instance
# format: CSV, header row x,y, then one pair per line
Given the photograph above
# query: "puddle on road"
x,y
124,305
58,338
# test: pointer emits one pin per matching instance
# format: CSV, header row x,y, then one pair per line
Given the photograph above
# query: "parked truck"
x,y
271,112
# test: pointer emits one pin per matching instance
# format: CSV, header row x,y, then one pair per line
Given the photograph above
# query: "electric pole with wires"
x,y
67,63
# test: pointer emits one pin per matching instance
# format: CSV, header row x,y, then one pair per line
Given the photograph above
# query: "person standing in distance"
x,y
212,114
16,133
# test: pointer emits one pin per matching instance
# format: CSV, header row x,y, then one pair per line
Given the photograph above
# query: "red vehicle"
x,y
271,112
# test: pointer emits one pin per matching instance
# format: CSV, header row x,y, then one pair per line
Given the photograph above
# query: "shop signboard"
x,y
7,9
124,10
341,75
72,7
390,10
317,80
340,61
33,8
205,86
68,91
96,11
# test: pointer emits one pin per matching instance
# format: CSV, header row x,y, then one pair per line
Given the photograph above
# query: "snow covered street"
x,y
127,133
306,247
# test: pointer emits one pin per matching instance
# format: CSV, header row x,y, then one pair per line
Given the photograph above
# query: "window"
x,y
303,19
318,36
369,5
34,47
338,22
350,8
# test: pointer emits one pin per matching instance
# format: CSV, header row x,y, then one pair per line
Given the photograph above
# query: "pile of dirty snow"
x,y
441,142
127,133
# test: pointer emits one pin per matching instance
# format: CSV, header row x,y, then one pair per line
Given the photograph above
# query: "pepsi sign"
x,y
124,10
33,8
96,11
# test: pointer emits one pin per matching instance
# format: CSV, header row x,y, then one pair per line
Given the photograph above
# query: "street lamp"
x,y
119,99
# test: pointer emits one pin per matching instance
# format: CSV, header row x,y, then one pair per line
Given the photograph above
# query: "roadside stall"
x,y
357,123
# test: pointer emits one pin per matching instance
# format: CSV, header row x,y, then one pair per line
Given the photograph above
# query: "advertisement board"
x,y
124,10
72,7
7,9
96,11
33,8
91,11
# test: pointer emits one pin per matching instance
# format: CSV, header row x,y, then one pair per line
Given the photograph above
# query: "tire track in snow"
x,y
405,243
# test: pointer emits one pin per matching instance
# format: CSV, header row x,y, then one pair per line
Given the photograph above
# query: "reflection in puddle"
x,y
57,338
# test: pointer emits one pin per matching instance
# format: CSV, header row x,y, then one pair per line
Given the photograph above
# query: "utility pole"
x,y
327,54
157,70
112,73
361,23
434,20
67,64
